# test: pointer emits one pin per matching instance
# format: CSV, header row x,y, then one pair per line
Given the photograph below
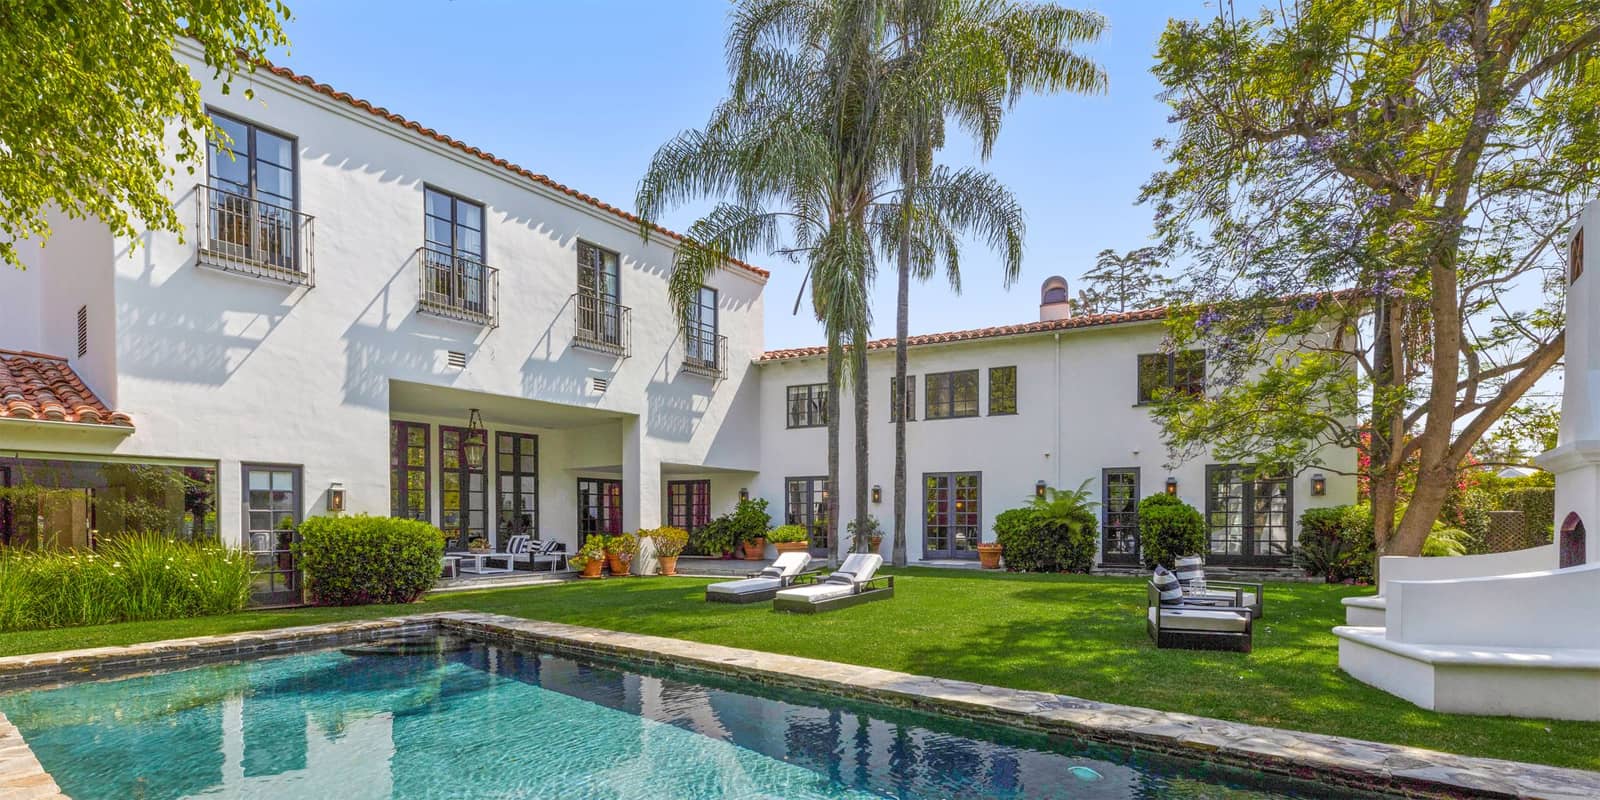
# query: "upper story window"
x,y
952,394
602,322
1002,391
250,204
909,401
702,341
1183,373
808,405
455,281
598,273
1576,256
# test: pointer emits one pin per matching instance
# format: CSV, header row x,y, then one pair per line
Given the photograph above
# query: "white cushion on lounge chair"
x,y
774,576
857,569
1196,619
818,592
746,586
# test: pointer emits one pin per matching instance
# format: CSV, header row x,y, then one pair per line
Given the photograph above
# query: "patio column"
x,y
641,488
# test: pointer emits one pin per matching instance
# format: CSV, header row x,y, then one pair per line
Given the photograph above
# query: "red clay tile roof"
x,y
1085,321
37,386
545,180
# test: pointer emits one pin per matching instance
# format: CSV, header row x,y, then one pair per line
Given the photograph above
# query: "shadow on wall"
x,y
677,406
375,353
737,440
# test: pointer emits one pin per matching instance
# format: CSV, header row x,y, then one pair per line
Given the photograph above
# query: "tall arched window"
x,y
1574,547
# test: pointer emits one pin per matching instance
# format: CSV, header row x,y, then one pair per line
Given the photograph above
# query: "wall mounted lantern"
x,y
336,497
744,494
1172,486
877,493
1319,485
475,446
1038,489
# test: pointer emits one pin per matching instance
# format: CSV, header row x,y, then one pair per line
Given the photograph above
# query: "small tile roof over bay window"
x,y
35,386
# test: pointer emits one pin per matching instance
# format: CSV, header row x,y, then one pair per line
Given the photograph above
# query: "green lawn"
x,y
1075,635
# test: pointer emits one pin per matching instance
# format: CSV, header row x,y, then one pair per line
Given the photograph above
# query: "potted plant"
x,y
590,558
789,539
871,530
755,548
989,555
477,544
750,521
620,550
669,544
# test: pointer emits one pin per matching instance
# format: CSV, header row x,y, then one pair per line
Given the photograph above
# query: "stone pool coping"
x,y
1350,763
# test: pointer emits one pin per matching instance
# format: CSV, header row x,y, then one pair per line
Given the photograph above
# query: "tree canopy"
x,y
91,89
1124,281
1426,156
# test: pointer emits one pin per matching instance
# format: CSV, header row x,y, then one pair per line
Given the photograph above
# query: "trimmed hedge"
x,y
359,560
1336,543
1169,529
1033,542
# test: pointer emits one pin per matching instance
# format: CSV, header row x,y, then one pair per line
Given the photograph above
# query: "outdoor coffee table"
x,y
473,563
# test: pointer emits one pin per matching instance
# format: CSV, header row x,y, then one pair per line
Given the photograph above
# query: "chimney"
x,y
1054,302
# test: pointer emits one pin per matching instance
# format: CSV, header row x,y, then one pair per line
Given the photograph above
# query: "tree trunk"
x,y
1383,437
835,359
858,358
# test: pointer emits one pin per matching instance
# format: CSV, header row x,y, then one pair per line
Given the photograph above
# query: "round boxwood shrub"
x,y
357,560
1169,529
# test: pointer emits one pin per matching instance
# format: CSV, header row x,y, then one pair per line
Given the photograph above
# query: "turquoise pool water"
x,y
493,722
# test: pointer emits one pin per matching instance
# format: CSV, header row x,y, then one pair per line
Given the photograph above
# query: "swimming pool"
x,y
491,721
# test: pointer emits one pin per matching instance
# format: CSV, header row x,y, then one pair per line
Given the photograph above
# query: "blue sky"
x,y
585,92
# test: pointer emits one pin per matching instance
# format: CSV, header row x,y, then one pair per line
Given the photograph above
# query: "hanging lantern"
x,y
475,445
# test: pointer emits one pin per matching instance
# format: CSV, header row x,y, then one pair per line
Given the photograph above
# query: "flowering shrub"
x,y
356,560
132,577
669,541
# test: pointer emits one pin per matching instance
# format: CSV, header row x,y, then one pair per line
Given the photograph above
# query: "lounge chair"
x,y
1192,568
852,583
760,586
522,549
1196,627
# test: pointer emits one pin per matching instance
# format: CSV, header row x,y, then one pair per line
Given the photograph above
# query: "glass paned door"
x,y
272,520
599,508
453,231
689,504
252,199
599,294
1120,501
952,521
517,470
700,330
806,505
1250,516
463,492
408,470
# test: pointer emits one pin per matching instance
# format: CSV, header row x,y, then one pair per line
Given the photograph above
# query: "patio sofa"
x,y
760,586
853,583
521,549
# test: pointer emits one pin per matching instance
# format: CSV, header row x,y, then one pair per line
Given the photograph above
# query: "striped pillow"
x,y
1190,569
1167,587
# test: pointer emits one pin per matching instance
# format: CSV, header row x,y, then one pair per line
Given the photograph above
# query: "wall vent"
x,y
599,385
456,359
83,331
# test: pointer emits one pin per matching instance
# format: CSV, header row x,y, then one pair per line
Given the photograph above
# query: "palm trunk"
x,y
835,359
858,358
902,329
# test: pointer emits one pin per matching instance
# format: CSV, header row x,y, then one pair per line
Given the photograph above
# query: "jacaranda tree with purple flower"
x,y
1378,188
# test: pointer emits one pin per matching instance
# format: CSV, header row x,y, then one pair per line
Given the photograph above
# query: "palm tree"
x,y
969,61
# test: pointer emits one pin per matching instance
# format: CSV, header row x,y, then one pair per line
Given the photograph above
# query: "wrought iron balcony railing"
x,y
705,353
253,237
602,325
457,286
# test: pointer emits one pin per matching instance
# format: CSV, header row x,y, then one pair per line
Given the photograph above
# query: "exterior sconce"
x,y
475,446
1172,486
1319,485
1038,489
744,494
877,493
336,497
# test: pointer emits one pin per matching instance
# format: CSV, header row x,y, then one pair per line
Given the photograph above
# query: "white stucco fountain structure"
x,y
1516,633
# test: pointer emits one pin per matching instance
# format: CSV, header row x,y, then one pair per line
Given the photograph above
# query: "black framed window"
x,y
951,394
909,401
1183,373
1575,256
408,470
1002,391
1250,516
951,514
689,504
463,491
599,508
700,328
1119,503
254,193
452,232
808,405
599,294
516,468
806,505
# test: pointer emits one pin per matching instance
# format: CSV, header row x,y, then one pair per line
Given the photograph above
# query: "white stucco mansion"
x,y
355,298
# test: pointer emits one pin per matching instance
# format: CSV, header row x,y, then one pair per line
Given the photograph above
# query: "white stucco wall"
x,y
1072,421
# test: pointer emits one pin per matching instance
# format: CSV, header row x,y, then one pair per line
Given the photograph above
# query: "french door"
x,y
951,518
1250,516
806,505
463,492
272,521
599,508
1119,499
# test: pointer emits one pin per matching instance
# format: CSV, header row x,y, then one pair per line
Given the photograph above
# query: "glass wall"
x,y
72,504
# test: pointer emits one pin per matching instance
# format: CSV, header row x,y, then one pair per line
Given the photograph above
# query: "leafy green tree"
x,y
1426,157
1120,281
966,62
92,88
1526,430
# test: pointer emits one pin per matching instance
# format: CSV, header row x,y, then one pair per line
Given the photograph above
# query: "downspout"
x,y
1057,414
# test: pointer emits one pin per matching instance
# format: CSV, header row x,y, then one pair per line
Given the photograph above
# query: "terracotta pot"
x,y
791,547
989,555
756,549
615,562
874,542
669,564
592,569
